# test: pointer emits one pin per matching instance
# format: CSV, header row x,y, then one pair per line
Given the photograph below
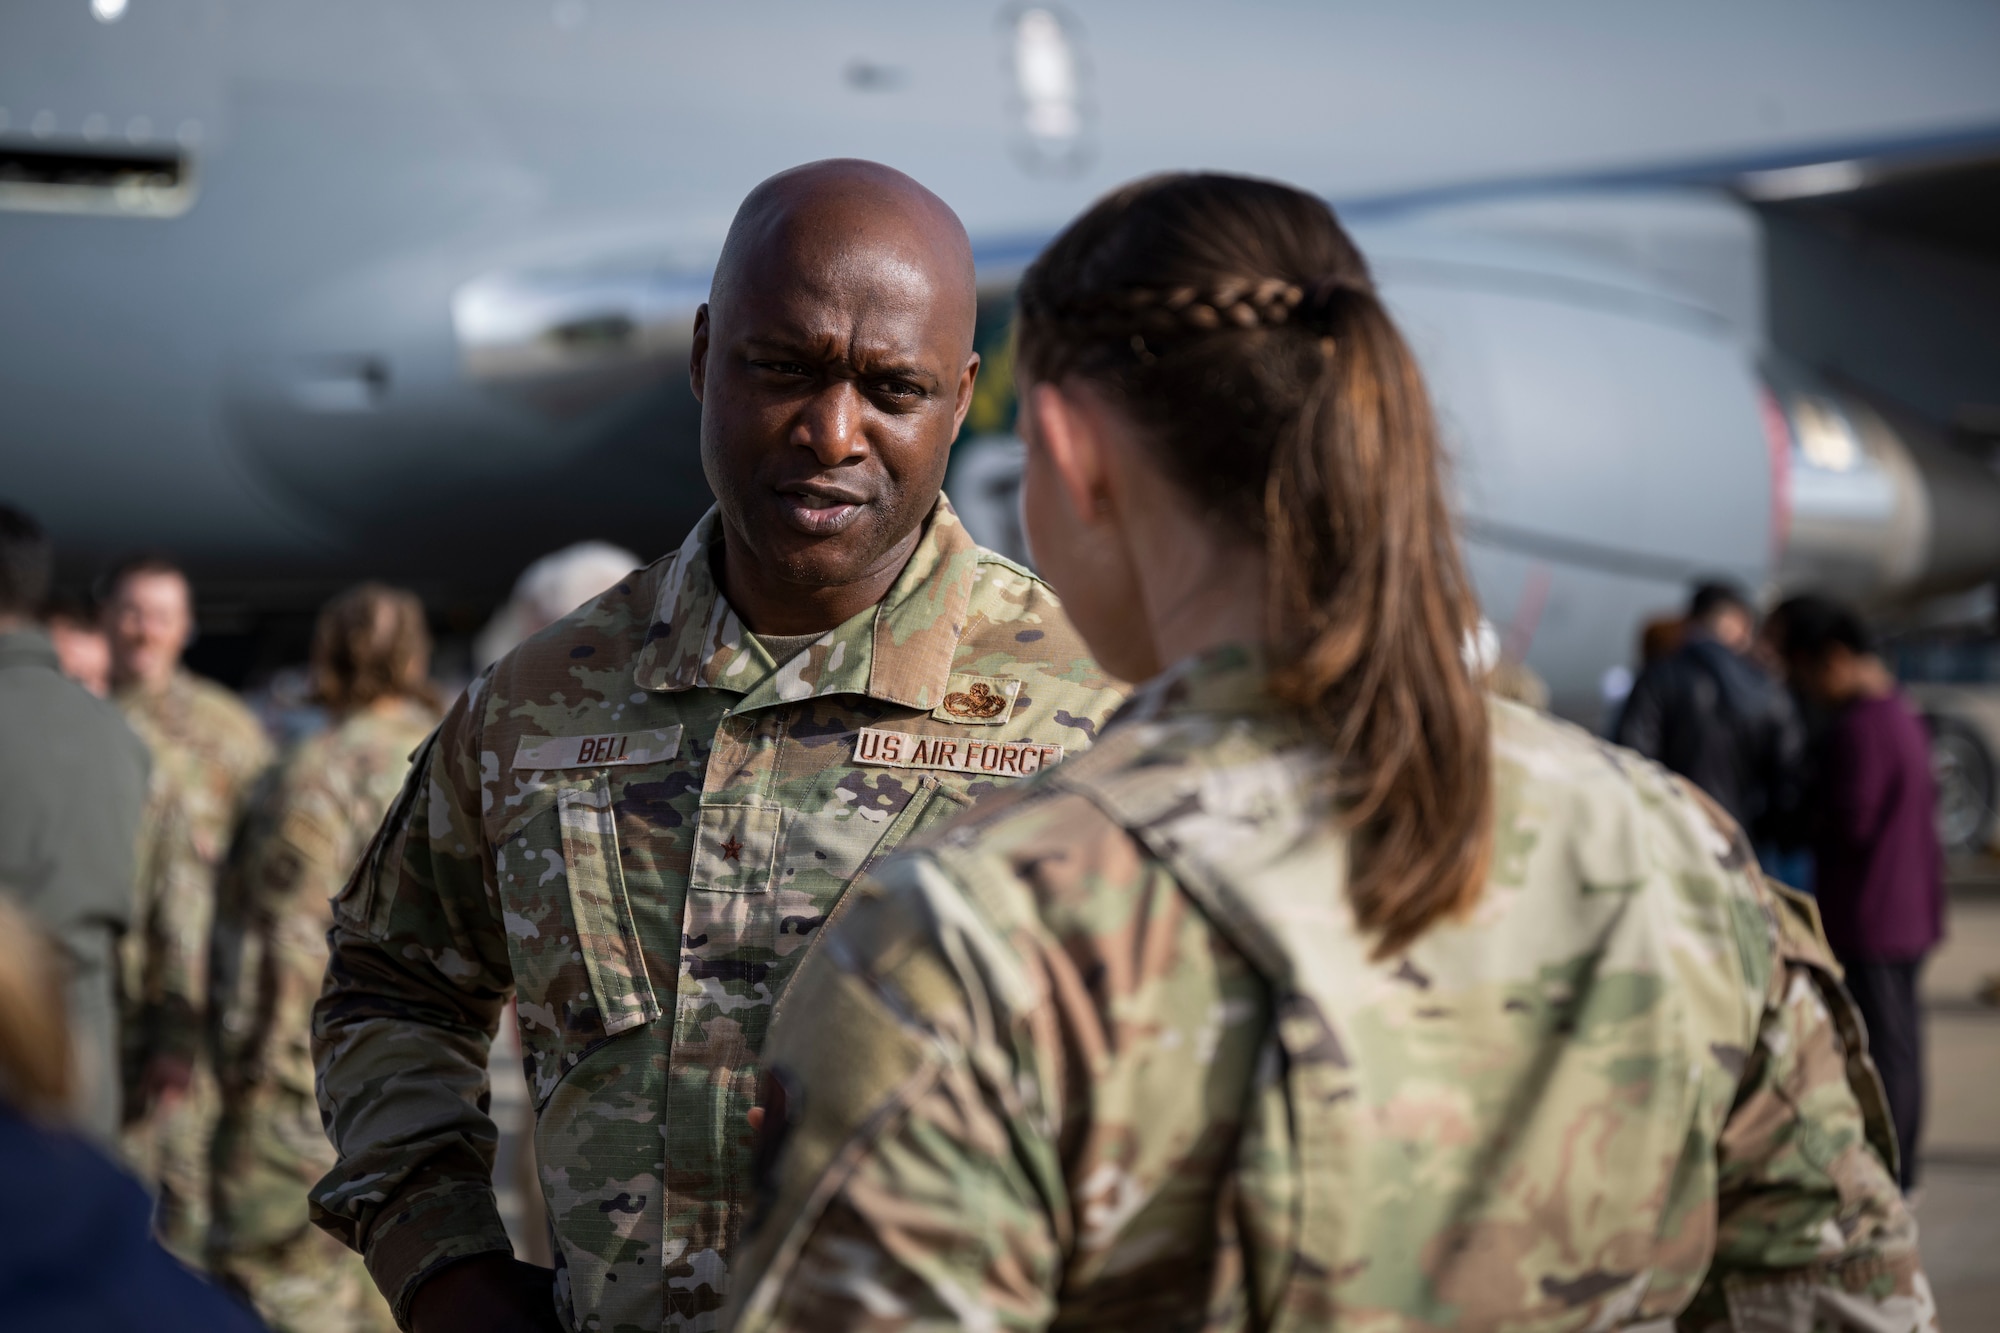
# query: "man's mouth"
x,y
819,511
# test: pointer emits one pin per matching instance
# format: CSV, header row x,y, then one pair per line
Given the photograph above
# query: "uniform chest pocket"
x,y
580,973
605,933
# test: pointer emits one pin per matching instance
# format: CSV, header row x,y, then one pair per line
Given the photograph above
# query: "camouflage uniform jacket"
x,y
1111,1053
637,822
302,838
208,751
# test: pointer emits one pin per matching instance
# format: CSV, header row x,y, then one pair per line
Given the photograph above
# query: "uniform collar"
x,y
899,651
1229,678
28,646
138,696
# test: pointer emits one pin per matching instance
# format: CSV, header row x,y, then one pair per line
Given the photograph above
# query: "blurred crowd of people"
x,y
1796,727
179,867
184,869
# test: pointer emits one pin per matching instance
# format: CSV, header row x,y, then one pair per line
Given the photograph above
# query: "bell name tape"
x,y
623,747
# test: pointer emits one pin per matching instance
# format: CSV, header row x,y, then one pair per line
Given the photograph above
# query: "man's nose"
x,y
830,425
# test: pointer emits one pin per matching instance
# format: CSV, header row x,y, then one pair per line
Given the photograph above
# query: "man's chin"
x,y
848,556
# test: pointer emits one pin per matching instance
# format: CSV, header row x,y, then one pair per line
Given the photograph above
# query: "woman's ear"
x,y
1069,434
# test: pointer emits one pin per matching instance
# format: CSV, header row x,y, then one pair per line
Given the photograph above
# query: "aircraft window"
x,y
66,180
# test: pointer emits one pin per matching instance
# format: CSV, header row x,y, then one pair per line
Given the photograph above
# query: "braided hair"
x,y
1238,326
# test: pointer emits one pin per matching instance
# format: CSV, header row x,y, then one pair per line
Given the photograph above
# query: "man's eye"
x,y
782,367
898,389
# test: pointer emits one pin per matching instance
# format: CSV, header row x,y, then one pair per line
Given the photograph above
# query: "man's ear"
x,y
1076,449
698,357
968,380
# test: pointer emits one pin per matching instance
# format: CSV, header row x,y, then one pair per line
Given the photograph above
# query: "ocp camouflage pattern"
x,y
1110,1052
303,836
635,825
208,752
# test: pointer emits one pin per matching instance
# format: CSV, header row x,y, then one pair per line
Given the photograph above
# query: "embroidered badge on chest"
x,y
978,701
622,747
902,749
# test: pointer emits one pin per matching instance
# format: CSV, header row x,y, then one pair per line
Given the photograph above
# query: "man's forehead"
x,y
852,237
892,314
154,585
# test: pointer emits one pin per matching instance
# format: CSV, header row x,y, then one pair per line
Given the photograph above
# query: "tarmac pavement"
x,y
1958,1198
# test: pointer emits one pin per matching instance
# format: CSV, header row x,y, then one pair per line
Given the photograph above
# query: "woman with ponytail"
x,y
1323,991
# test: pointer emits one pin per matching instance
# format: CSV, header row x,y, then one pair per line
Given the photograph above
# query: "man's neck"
x,y
1872,679
12,624
782,609
141,684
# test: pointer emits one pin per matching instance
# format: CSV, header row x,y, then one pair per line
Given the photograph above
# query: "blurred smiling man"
x,y
636,824
208,749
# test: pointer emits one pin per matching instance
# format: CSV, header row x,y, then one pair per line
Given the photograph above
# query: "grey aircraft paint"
x,y
389,289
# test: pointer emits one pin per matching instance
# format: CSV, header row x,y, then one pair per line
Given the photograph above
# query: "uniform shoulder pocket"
x,y
1803,949
363,903
1801,936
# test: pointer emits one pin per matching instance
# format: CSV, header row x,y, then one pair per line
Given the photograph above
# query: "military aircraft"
x,y
309,292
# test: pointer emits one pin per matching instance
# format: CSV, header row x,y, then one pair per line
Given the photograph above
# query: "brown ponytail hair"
x,y
1238,326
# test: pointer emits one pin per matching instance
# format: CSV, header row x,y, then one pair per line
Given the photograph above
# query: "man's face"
x,y
148,621
1832,678
84,653
831,382
1733,628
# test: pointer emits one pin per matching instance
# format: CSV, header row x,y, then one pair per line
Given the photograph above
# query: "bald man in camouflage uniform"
x,y
208,750
1111,1054
637,823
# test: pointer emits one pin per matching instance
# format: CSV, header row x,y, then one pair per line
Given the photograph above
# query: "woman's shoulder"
x,y
1567,799
1063,863
1593,842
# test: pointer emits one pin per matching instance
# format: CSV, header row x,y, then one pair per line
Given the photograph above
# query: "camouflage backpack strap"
x,y
1247,840
1802,945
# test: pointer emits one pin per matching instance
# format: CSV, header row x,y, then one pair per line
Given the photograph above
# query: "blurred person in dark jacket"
x,y
72,784
1710,713
1873,824
76,1245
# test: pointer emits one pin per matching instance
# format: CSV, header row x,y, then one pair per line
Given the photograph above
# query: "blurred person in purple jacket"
x,y
1874,836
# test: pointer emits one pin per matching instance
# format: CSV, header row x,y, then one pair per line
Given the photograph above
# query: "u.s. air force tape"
x,y
623,747
901,749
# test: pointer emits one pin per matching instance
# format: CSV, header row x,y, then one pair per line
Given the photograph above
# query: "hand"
x,y
488,1293
165,1080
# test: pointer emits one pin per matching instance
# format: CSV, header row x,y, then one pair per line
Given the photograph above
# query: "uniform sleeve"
x,y
168,953
1000,1119
416,975
271,929
1812,1230
937,1227
904,1194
